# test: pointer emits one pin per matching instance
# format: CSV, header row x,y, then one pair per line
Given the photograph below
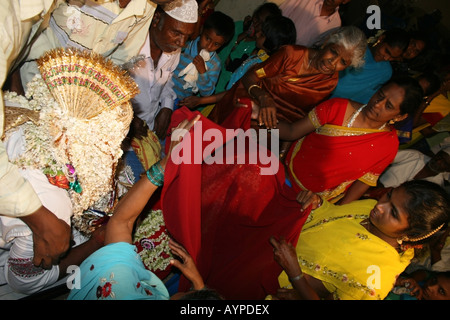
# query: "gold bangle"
x,y
251,87
296,278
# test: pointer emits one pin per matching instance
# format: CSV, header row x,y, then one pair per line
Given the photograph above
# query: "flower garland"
x,y
152,242
86,152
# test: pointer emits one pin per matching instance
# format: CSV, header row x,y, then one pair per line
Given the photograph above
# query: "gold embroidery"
x,y
334,130
314,118
326,194
370,179
332,193
260,73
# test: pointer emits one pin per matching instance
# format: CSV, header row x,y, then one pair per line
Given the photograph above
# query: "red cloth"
x,y
334,154
224,215
432,117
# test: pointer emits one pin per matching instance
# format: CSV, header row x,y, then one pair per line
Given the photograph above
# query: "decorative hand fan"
x,y
85,83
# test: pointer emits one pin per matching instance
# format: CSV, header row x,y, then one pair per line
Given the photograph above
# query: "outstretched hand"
x,y
309,198
414,288
187,265
285,255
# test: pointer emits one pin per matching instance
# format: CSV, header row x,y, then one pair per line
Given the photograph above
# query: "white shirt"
x,y
311,26
16,238
406,165
155,84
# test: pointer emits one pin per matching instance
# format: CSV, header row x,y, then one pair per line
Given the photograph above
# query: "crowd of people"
x,y
359,152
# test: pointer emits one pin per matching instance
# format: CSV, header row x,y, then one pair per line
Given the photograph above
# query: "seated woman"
x,y
356,251
344,145
291,82
359,84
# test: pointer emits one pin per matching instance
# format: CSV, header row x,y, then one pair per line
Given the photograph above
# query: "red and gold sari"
x,y
328,160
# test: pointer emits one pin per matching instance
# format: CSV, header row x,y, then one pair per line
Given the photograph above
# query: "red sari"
x,y
283,75
363,153
224,215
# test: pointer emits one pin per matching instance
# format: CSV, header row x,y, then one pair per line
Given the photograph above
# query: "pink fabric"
x,y
309,24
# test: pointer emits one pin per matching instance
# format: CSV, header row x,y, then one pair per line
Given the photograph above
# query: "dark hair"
x,y
278,31
433,80
221,23
421,36
271,8
413,93
397,38
203,294
428,208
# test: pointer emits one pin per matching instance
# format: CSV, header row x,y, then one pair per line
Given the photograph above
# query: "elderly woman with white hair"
x,y
291,82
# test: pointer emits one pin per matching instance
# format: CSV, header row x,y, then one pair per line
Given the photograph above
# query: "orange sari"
x,y
284,77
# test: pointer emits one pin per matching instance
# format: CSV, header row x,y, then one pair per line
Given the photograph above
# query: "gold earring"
x,y
376,43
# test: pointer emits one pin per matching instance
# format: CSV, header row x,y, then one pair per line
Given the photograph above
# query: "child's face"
x,y
437,288
210,41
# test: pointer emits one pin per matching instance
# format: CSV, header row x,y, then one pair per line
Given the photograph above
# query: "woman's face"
x,y
437,288
386,52
415,47
385,104
389,215
332,58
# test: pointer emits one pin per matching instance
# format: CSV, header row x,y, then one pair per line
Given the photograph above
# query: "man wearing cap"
x,y
114,29
171,27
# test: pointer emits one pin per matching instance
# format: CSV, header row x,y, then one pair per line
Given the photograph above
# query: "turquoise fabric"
x,y
360,84
116,272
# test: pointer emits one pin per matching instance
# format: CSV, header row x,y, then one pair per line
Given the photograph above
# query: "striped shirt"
x,y
206,82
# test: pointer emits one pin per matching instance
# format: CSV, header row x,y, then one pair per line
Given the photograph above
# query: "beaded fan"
x,y
85,83
84,113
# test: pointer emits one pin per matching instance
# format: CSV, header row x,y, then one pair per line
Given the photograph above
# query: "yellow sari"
x,y
352,263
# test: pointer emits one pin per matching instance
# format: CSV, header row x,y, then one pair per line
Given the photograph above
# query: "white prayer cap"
x,y
182,10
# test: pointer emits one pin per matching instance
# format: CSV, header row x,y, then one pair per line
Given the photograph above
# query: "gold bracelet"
x,y
296,278
251,87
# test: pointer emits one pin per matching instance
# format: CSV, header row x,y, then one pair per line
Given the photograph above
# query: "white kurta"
x,y
155,84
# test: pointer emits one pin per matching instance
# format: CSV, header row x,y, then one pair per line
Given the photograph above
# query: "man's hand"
x,y
51,237
162,122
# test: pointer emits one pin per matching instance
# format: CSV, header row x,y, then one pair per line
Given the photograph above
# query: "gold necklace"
x,y
356,114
